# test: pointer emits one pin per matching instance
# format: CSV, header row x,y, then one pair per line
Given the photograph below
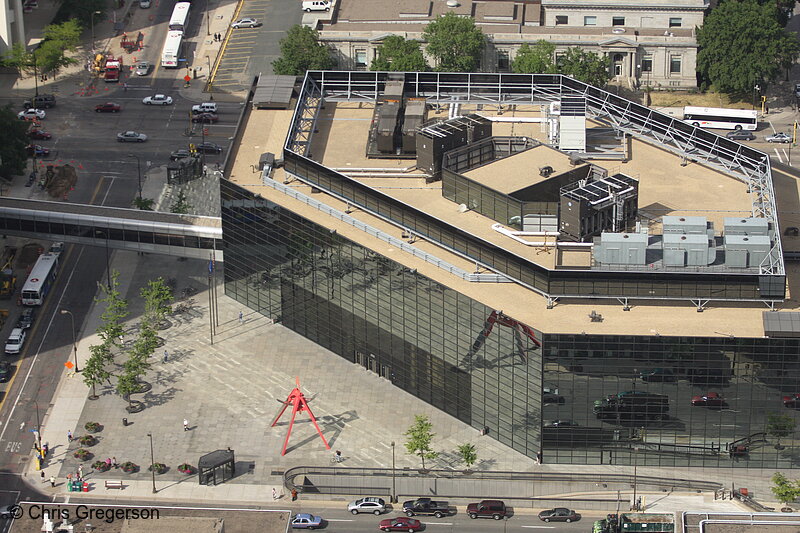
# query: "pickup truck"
x,y
426,506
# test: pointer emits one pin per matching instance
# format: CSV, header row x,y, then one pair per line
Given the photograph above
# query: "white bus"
x,y
179,16
720,118
173,47
40,279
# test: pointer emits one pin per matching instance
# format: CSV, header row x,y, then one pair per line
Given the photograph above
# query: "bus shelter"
x,y
216,467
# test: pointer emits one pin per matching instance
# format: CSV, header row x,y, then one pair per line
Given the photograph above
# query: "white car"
x,y
142,68
15,341
779,138
30,114
246,22
157,99
367,505
131,137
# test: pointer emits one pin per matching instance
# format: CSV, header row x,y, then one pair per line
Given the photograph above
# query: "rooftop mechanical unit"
x,y
434,140
414,118
621,248
387,126
596,204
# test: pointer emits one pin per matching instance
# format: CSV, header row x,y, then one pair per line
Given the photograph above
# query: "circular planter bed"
x,y
144,387
164,324
135,407
81,454
158,468
160,342
87,440
186,468
101,466
93,427
129,468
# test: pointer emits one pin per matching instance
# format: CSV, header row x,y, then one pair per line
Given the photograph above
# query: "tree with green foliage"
x,y
94,369
398,54
143,204
13,140
67,33
19,58
302,51
180,206
419,439
127,384
82,10
741,44
779,426
585,66
784,489
536,59
110,329
157,297
455,42
468,454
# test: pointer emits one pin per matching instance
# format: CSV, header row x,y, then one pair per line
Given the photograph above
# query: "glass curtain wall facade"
x,y
426,338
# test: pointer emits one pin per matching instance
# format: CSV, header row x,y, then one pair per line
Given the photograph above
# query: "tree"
x,y
181,206
82,10
68,33
127,385
157,296
779,426
419,439
741,45
13,140
19,57
110,329
400,55
50,57
536,59
468,454
94,369
302,51
785,490
143,204
455,42
587,67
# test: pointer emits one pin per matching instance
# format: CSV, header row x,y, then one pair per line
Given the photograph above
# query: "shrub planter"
x,y
82,454
101,466
129,467
93,427
158,468
87,440
186,468
135,407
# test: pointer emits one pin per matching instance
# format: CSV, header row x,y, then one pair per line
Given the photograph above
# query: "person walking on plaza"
x,y
241,318
69,435
166,355
185,425
42,476
80,471
274,494
52,481
114,462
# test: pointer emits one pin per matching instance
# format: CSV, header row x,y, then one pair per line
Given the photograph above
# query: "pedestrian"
x,y
69,436
241,318
294,494
166,355
69,478
274,494
108,462
185,425
42,476
52,481
114,462
45,449
125,87
80,471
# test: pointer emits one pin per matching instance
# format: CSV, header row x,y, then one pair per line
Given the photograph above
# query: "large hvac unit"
x,y
746,251
413,119
746,226
621,249
434,140
682,250
387,126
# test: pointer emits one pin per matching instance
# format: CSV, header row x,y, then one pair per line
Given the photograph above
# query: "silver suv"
x,y
15,341
372,505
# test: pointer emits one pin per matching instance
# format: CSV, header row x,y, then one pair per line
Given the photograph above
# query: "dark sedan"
x,y
209,148
206,118
39,135
559,514
108,107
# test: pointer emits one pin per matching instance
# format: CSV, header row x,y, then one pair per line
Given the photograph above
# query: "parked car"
x,y
550,397
27,318
15,341
157,99
5,371
206,118
740,135
401,523
205,107
179,154
32,114
39,135
131,137
792,401
657,374
45,101
487,509
306,521
559,514
209,148
37,150
316,5
144,4
779,138
142,68
711,399
246,22
560,424
367,505
426,506
108,107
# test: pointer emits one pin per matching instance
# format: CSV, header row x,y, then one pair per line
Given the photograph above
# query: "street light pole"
x,y
152,462
38,426
74,338
139,173
635,465
394,486
91,20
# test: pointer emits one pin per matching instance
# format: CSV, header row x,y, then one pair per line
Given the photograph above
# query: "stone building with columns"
x,y
649,42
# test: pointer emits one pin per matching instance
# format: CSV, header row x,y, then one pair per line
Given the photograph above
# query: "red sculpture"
x,y
299,404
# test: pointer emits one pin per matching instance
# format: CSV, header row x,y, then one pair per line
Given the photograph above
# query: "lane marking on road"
x,y
540,527
438,523
337,520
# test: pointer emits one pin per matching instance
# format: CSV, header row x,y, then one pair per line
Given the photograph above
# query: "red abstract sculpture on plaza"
x,y
299,404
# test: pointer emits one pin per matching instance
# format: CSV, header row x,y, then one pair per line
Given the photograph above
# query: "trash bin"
x,y
85,487
69,487
124,422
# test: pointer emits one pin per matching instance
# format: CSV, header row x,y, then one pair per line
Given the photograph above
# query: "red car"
x,y
401,523
207,118
792,401
39,135
108,107
712,399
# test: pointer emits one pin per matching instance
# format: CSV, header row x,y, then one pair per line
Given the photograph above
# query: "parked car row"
x,y
493,509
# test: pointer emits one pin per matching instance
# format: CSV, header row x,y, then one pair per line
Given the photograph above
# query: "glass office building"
x,y
553,399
